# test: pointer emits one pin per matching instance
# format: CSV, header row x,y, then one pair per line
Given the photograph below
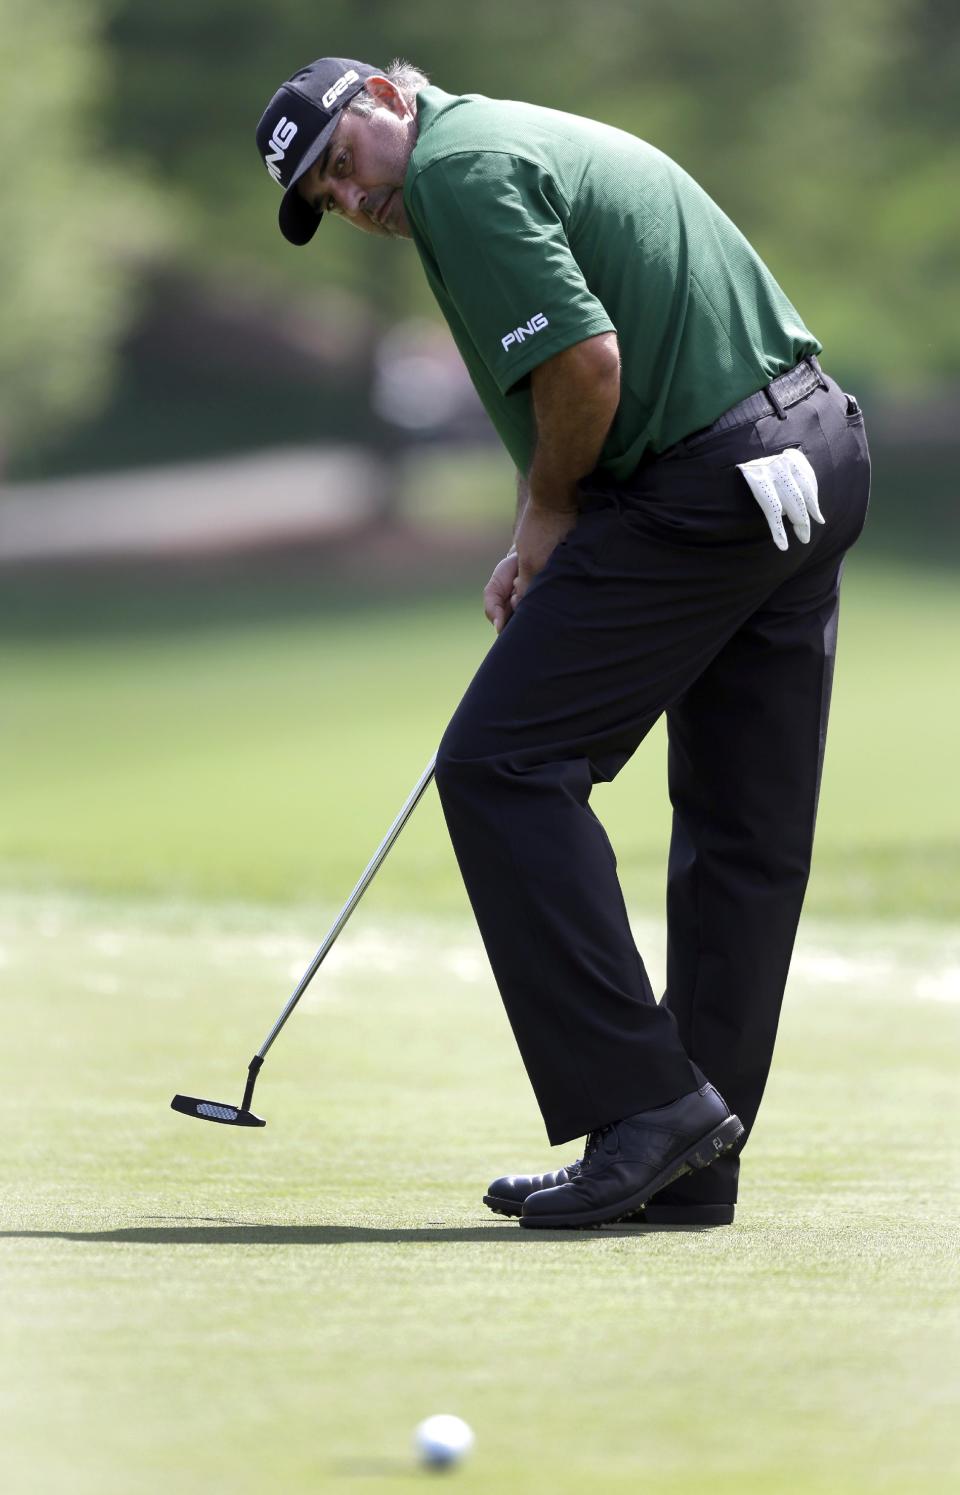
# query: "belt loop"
x,y
815,365
781,413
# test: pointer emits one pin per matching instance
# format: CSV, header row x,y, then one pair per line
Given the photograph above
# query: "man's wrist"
x,y
557,503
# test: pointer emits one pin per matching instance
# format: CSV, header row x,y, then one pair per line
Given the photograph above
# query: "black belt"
x,y
786,390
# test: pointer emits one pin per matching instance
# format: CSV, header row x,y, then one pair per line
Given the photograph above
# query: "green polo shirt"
x,y
538,229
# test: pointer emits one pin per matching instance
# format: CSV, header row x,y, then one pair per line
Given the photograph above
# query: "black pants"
x,y
667,596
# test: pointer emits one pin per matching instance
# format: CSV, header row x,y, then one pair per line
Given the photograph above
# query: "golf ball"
x,y
442,1440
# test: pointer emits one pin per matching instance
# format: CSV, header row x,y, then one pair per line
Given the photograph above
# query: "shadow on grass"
x,y
309,583
239,1233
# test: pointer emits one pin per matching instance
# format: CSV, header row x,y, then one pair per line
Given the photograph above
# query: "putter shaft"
x,y
217,1111
413,799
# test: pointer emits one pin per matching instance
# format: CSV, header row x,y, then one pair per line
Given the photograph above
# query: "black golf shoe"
x,y
505,1196
626,1162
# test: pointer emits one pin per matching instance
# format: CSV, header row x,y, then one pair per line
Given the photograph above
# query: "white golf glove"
x,y
785,484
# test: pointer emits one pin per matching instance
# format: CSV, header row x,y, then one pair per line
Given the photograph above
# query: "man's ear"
x,y
386,94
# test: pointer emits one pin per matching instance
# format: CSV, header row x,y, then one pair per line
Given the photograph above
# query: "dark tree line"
x,y
829,133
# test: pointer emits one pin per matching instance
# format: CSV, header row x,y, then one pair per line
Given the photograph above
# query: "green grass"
x,y
216,1311
195,774
254,738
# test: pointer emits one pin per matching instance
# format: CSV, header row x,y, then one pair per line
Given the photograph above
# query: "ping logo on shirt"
x,y
283,133
536,324
336,89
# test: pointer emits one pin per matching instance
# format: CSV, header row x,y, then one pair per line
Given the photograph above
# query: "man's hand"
x,y
785,484
575,397
538,535
497,594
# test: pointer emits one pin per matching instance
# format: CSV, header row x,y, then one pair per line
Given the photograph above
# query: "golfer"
x,y
689,481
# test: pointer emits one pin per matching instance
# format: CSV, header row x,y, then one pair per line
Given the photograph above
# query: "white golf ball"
x,y
442,1440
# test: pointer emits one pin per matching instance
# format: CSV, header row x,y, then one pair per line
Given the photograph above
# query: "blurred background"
x,y
248,499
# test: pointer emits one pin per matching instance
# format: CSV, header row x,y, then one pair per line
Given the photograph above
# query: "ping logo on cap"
x,y
283,133
336,89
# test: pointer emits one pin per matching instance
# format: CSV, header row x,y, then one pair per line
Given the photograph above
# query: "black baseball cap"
x,y
296,126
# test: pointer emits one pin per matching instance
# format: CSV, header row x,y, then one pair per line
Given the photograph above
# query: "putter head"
x,y
214,1110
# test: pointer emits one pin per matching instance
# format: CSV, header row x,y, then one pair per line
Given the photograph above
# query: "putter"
x,y
227,1115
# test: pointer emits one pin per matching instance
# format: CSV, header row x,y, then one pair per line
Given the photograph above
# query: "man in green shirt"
x,y
662,401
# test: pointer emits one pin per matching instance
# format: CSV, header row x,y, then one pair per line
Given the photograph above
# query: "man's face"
x,y
360,174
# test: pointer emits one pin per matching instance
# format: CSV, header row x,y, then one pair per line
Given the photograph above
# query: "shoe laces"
x,y
595,1141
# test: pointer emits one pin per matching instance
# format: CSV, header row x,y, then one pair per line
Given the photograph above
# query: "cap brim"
x,y
298,220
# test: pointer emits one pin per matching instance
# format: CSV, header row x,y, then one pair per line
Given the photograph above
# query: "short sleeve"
x,y
493,225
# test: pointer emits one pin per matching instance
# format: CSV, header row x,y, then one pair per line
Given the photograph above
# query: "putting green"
x,y
213,1310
